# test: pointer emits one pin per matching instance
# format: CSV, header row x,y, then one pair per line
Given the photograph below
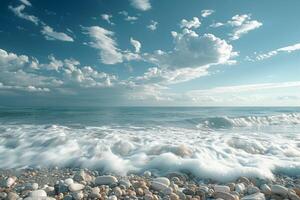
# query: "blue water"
x,y
220,143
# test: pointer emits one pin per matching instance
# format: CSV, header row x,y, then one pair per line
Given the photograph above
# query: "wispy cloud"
x,y
50,34
287,49
18,11
136,44
26,2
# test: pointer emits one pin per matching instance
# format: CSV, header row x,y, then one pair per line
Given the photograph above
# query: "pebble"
x,y
292,195
77,195
106,180
265,189
256,196
38,193
158,186
162,180
224,195
8,182
278,189
3,195
125,182
69,181
240,188
74,187
147,174
221,188
113,197
12,196
117,191
95,193
174,196
252,189
82,176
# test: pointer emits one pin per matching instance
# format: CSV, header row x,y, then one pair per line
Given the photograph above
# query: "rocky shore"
x,y
68,184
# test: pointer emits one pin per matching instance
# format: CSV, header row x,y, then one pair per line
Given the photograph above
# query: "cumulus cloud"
x,y
136,44
243,24
50,34
142,5
206,13
192,50
153,25
18,11
216,25
107,18
16,73
194,23
287,49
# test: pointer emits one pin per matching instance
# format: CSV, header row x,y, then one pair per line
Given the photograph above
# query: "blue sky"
x,y
150,52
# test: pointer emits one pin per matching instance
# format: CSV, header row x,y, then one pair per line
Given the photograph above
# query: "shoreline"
x,y
68,183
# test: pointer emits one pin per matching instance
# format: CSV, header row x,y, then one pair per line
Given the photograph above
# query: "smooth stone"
x,y
113,197
148,197
68,197
12,196
181,195
3,195
252,190
38,193
82,176
7,182
95,193
221,188
61,187
35,186
167,191
48,189
278,189
224,195
188,191
77,195
256,196
158,186
117,191
147,174
162,180
292,195
69,181
240,188
244,180
74,187
106,180
174,196
125,182
265,189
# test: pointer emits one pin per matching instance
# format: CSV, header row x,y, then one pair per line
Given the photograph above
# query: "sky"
x,y
149,53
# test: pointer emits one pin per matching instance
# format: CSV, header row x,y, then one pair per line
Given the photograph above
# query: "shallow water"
x,y
215,143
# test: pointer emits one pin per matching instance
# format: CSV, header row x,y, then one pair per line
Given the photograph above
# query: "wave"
x,y
249,121
122,150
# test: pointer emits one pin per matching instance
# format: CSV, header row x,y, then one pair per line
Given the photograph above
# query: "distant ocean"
x,y
210,143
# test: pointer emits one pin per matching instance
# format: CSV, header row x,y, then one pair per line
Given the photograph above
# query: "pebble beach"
x,y
68,184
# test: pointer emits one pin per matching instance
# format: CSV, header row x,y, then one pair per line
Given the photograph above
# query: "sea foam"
x,y
206,153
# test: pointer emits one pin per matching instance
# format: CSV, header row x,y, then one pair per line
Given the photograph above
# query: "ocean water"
x,y
210,143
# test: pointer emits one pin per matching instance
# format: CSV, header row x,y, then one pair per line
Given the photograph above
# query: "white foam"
x,y
218,155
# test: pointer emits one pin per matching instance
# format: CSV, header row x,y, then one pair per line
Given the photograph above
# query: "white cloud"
x,y
107,18
206,13
288,49
142,5
104,41
243,24
194,23
192,51
26,2
247,88
153,25
50,34
18,11
136,44
216,25
131,19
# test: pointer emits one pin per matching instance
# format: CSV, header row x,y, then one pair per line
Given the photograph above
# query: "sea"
x,y
217,143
